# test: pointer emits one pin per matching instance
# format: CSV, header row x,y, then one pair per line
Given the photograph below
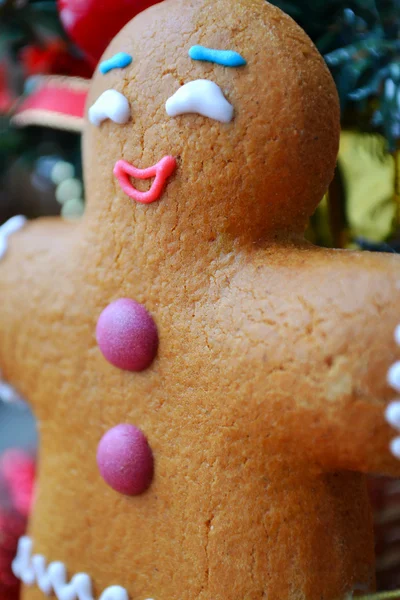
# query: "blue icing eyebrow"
x,y
227,58
118,61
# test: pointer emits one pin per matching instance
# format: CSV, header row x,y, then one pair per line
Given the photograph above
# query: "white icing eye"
x,y
202,97
110,105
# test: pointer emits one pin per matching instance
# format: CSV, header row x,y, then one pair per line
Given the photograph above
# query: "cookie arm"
x,y
31,270
317,329
353,326
356,437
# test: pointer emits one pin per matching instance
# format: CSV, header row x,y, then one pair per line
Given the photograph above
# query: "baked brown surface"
x,y
265,404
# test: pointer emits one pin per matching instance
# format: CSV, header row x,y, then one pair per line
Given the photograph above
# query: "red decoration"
x,y
6,97
17,471
57,102
53,58
12,526
92,24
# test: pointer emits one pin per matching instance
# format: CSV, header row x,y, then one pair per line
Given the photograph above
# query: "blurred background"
x,y
48,51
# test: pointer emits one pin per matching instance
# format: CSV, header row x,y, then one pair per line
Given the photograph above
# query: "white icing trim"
x,y
392,411
395,447
53,578
393,376
392,414
203,97
110,105
9,395
8,228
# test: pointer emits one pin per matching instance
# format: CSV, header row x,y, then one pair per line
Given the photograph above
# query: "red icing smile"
x,y
161,171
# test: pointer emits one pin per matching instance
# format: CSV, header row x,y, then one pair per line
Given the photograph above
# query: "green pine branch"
x,y
360,40
32,23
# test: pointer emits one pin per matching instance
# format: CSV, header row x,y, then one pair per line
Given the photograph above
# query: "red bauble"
x,y
52,58
92,24
6,97
17,471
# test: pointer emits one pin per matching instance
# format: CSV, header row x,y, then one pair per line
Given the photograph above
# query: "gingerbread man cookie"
x,y
210,388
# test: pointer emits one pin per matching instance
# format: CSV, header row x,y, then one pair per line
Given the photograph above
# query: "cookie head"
x,y
221,113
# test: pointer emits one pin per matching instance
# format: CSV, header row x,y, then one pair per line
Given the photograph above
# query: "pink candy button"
x,y
127,335
125,460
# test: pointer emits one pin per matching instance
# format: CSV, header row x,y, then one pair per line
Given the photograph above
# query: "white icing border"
x,y
8,394
8,228
52,579
392,412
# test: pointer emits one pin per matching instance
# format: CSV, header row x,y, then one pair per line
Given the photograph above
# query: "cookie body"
x,y
241,484
260,397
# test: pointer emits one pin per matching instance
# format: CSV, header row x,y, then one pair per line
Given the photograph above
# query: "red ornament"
x,y
92,24
6,96
12,526
53,59
17,471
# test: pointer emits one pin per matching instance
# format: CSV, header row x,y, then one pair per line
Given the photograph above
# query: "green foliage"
x,y
23,23
360,40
